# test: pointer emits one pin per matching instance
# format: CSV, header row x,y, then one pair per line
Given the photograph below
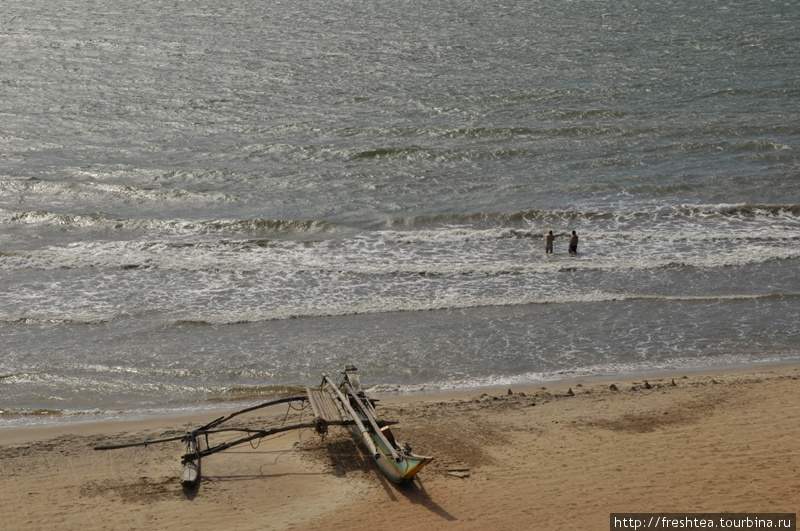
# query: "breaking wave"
x,y
280,313
178,227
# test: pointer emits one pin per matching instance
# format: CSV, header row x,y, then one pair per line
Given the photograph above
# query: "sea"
x,y
205,204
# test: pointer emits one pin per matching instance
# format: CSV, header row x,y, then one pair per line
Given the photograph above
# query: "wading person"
x,y
573,244
548,242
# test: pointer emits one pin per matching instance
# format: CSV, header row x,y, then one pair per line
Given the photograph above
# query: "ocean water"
x,y
206,203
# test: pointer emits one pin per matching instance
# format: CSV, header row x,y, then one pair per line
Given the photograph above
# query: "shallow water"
x,y
213,201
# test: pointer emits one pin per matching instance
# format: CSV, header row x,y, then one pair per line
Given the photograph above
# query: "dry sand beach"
x,y
519,459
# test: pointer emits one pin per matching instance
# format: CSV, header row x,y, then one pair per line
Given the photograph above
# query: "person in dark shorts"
x,y
548,242
573,244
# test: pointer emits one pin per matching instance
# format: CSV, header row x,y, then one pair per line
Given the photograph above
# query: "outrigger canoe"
x,y
398,463
344,404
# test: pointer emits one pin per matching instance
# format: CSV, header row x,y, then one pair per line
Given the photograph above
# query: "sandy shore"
x,y
518,459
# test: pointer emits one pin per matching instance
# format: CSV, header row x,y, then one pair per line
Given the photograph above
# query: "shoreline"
x,y
63,422
525,457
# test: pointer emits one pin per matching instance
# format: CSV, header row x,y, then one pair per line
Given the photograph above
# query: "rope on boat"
x,y
255,445
291,407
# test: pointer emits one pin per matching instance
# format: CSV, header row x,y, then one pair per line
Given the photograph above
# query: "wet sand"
x,y
561,456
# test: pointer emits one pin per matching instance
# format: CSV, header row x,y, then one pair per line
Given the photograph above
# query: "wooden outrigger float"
x,y
338,405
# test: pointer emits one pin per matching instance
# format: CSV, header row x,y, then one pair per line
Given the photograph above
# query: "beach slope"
x,y
555,457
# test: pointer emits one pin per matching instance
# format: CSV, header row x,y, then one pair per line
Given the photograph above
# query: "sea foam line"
x,y
390,306
604,370
453,252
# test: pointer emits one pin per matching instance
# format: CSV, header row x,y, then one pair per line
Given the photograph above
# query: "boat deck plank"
x,y
323,405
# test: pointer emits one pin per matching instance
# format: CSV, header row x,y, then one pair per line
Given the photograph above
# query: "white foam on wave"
x,y
454,253
104,195
376,305
226,281
38,417
581,373
183,270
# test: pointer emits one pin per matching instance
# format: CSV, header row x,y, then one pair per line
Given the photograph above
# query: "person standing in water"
x,y
573,244
548,243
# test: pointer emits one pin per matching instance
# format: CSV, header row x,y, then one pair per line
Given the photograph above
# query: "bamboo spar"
x,y
368,442
141,443
205,428
217,422
375,426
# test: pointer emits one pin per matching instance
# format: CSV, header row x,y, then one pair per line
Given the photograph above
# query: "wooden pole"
x,y
205,428
365,438
371,419
217,422
142,443
221,430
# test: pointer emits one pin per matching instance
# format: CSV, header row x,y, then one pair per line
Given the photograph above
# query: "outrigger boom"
x,y
331,406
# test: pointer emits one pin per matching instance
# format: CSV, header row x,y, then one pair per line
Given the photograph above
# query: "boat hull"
x,y
397,463
397,471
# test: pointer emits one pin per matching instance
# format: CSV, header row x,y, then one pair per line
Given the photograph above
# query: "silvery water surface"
x,y
208,200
